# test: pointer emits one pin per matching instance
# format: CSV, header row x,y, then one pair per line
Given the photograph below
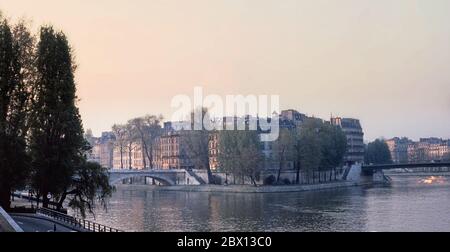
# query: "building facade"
x,y
170,150
130,156
429,150
355,138
102,149
399,149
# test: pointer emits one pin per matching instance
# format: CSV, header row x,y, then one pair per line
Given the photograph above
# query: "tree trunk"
x,y
253,181
5,197
45,200
208,169
121,157
144,156
130,166
281,163
210,176
150,156
61,202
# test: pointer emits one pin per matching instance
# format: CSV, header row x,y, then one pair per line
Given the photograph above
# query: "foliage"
x,y
196,144
57,143
377,152
147,129
315,145
284,149
16,69
240,153
270,180
91,183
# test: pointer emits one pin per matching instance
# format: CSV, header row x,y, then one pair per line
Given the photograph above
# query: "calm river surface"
x,y
409,204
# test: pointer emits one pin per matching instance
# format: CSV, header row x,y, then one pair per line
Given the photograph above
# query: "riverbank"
x,y
418,174
262,189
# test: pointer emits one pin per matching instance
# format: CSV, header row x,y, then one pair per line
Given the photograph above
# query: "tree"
x,y
308,149
319,146
16,72
130,140
240,153
147,129
196,142
333,146
228,156
119,132
377,152
57,144
251,157
284,149
90,183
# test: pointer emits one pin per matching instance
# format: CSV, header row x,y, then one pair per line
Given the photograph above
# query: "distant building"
x,y
170,151
399,149
291,119
132,157
355,138
102,149
425,150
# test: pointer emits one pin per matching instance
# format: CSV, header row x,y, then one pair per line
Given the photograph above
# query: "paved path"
x,y
30,224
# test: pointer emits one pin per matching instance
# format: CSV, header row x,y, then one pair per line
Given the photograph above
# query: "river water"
x,y
408,204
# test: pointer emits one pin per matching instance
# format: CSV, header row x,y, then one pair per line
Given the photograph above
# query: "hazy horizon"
x,y
384,62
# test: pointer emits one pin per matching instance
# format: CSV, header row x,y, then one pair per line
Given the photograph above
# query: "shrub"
x,y
269,180
217,180
286,181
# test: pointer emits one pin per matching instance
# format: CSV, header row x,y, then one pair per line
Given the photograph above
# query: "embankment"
x,y
262,189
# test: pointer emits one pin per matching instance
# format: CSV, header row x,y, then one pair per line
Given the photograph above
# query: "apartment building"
x,y
355,138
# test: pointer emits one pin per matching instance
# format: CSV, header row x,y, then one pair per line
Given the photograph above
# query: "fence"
x,y
76,222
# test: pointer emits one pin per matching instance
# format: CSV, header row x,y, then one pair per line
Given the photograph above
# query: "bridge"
x,y
166,177
363,173
405,166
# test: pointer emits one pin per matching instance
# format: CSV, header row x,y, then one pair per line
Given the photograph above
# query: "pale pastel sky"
x,y
385,62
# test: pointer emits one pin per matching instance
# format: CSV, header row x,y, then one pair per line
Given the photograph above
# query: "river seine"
x,y
408,204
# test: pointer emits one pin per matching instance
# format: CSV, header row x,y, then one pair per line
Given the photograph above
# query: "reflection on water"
x,y
433,180
406,205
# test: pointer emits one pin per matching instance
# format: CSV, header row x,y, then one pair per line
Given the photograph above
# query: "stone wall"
x,y
286,176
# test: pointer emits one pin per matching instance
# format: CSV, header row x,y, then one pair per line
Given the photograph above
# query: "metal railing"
x,y
76,222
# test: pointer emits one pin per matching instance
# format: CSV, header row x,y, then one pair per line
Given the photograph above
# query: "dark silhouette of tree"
x,y
57,144
16,72
377,152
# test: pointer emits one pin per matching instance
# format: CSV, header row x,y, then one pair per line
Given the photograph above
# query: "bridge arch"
x,y
116,179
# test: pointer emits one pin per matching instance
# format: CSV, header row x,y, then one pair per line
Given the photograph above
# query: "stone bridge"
x,y
359,173
166,177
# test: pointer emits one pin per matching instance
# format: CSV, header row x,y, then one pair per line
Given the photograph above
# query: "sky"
x,y
385,62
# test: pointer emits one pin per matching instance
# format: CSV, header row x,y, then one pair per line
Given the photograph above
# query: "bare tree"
x,y
196,143
147,129
283,149
120,134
